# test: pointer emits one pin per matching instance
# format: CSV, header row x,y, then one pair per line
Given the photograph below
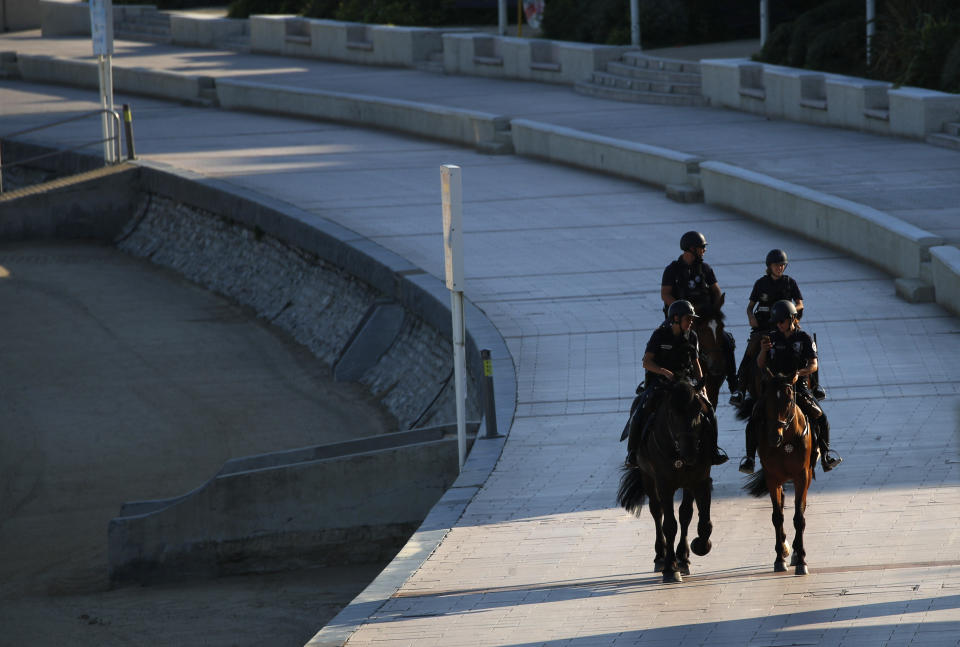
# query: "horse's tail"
x,y
745,408
631,495
756,484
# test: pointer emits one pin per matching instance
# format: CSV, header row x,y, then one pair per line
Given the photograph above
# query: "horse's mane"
x,y
683,396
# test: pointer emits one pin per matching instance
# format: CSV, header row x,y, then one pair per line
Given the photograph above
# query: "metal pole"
x,y
635,23
128,132
489,405
502,17
871,25
450,188
764,21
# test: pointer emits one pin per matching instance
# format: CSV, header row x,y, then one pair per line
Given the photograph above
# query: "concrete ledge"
x,y
153,83
945,266
634,161
826,99
466,127
199,31
870,235
64,18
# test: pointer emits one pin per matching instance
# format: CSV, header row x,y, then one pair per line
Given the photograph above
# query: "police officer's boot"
x,y
828,458
637,422
815,387
719,456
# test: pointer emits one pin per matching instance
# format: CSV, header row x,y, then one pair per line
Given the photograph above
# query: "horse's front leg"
x,y
683,549
671,570
703,493
799,524
776,497
656,511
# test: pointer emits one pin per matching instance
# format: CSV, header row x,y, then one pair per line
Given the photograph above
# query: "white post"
x,y
871,19
502,17
635,23
764,21
450,187
101,31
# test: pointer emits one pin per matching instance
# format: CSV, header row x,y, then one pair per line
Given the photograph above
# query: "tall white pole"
x,y
635,23
451,193
764,21
871,19
502,17
101,32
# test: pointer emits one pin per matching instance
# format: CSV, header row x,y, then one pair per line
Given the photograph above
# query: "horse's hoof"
x,y
701,546
685,569
778,566
658,566
802,569
672,577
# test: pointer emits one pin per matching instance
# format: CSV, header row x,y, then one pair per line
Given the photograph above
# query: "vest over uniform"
x,y
767,291
789,355
672,352
691,282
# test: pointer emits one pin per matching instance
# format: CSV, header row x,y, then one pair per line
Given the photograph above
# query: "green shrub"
x,y
950,76
840,48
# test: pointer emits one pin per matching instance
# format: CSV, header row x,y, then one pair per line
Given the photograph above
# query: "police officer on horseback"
x,y
691,279
670,354
772,287
787,350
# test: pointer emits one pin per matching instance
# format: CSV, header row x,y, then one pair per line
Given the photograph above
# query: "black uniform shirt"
x,y
672,352
790,355
767,291
690,282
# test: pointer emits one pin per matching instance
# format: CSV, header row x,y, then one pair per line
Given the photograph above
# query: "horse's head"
x,y
710,332
684,422
780,403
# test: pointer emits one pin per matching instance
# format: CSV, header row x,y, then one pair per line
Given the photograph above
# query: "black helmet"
x,y
776,256
678,309
783,310
692,239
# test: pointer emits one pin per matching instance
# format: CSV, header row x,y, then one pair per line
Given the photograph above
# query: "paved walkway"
x,y
566,265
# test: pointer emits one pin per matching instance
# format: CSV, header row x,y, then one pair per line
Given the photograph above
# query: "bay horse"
x,y
675,453
786,450
710,333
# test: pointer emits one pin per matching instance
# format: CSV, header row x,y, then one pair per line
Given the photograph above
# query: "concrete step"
x,y
142,36
952,128
650,74
638,59
621,94
607,79
944,140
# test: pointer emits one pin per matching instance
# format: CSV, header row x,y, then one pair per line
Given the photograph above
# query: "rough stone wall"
x,y
319,305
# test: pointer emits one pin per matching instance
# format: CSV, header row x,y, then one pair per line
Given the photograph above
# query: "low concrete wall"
x,y
870,235
152,83
525,58
333,511
826,99
19,15
945,266
487,132
199,31
641,162
64,18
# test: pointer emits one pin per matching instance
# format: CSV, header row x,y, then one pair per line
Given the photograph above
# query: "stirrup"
x,y
747,465
719,457
830,460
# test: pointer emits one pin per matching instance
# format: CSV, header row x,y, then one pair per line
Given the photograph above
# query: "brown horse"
x,y
787,454
710,333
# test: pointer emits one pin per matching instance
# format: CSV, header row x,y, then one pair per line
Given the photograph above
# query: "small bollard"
x,y
489,406
128,131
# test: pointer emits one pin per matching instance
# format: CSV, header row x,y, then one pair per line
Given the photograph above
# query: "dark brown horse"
x,y
786,454
674,454
710,333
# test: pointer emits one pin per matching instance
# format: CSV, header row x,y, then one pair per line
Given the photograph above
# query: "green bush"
x,y
950,76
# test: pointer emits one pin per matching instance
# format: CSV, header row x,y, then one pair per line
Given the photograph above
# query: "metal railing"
x,y
113,140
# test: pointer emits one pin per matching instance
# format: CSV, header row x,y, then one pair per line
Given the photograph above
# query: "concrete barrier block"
x,y
858,104
915,112
945,266
641,162
267,34
64,18
720,81
895,246
53,69
206,32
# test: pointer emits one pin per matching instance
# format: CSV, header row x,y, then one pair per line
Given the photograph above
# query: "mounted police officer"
x,y
771,287
691,279
670,354
787,350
